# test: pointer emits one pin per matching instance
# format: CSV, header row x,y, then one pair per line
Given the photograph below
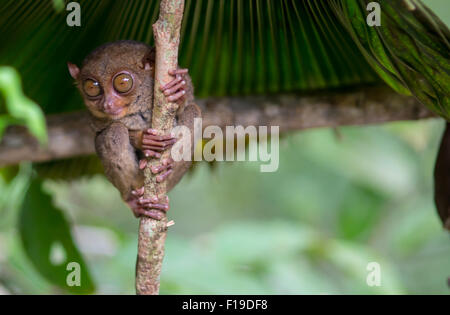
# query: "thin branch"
x,y
70,135
152,233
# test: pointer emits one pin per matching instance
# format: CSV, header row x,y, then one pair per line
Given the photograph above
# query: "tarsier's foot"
x,y
151,207
153,144
175,90
147,207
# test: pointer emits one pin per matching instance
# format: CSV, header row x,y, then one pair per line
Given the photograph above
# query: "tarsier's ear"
x,y
74,70
149,59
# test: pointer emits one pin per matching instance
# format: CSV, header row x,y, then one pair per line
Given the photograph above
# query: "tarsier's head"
x,y
116,79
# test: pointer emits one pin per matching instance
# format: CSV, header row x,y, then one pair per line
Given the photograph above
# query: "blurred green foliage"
x,y
47,240
340,200
20,110
58,5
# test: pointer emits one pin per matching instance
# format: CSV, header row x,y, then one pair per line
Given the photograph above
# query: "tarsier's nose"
x,y
110,106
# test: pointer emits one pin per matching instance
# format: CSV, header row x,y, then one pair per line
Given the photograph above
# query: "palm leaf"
x,y
237,47
410,51
231,46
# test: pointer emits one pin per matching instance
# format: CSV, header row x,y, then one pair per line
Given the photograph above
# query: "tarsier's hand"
x,y
153,144
175,90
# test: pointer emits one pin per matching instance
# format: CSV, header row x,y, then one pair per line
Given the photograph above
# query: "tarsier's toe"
x,y
155,203
154,214
138,192
162,177
150,207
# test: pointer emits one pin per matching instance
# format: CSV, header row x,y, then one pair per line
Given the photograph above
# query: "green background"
x,y
341,198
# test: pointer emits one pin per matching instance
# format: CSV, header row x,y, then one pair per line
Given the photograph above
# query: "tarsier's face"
x,y
109,96
114,79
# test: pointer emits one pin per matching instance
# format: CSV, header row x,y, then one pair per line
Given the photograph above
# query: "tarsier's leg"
x,y
120,161
442,179
121,166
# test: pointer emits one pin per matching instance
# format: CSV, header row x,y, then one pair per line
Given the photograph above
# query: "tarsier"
x,y
116,82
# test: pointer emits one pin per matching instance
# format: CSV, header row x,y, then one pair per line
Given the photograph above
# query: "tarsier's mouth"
x,y
115,112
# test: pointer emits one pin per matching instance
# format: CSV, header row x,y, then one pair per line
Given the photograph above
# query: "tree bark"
x,y
70,135
152,233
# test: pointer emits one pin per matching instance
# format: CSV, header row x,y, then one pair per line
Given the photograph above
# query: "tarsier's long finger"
x,y
152,134
163,176
151,153
175,97
142,164
164,143
147,138
178,71
175,81
153,148
167,164
175,88
160,146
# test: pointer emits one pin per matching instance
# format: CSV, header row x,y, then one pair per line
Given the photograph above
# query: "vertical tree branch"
x,y
152,233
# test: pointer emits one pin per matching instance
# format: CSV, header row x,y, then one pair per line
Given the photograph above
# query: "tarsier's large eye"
x,y
123,83
92,88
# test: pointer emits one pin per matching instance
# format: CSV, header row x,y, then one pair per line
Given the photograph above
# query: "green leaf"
x,y
48,242
21,110
410,51
231,47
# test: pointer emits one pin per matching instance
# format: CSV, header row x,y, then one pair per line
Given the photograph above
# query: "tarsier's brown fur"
x,y
118,139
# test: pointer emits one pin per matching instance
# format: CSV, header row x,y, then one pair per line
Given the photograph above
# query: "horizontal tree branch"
x,y
70,134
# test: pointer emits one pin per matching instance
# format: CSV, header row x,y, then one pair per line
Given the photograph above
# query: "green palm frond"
x,y
231,46
236,47
410,50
